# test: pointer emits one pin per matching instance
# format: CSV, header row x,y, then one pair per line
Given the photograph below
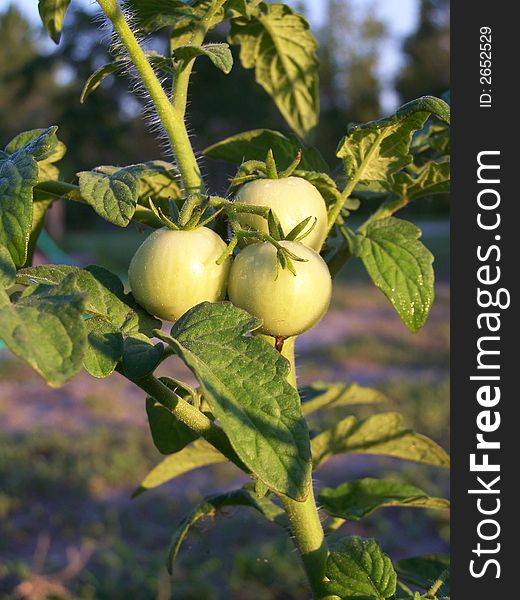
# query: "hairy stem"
x,y
185,67
171,117
304,520
190,416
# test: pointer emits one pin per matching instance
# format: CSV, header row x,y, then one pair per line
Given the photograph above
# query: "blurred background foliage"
x,y
70,458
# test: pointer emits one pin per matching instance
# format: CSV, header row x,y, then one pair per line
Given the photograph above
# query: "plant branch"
x,y
171,117
304,520
182,75
191,417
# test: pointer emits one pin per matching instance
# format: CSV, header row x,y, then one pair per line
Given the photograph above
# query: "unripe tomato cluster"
x,y
174,270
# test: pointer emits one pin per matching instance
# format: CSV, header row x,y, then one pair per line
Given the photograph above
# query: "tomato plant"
x,y
285,204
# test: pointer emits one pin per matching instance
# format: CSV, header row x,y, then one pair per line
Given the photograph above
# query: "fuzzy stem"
x,y
172,118
184,68
190,416
304,520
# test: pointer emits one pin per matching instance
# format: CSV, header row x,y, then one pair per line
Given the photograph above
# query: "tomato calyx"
x,y
257,169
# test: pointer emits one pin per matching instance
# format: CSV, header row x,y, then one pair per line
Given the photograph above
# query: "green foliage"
x,y
7,268
140,356
244,380
44,327
219,54
321,396
358,570
276,42
168,433
400,266
355,500
424,571
105,296
52,13
199,454
255,144
105,347
210,507
113,196
378,434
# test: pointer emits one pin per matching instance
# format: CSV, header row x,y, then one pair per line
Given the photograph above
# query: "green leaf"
x,y
44,146
320,396
40,208
219,54
99,75
432,178
254,145
378,434
181,17
277,43
18,176
45,328
159,182
168,433
400,266
113,197
105,347
424,571
199,454
244,380
52,13
140,356
357,499
41,144
358,570
7,268
210,507
376,150
105,296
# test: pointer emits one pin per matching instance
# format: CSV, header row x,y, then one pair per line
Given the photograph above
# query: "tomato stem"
x,y
304,520
171,116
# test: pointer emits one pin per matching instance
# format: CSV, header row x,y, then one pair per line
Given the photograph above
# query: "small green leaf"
x,y
277,43
7,268
424,571
140,356
18,176
401,267
199,454
105,347
44,146
358,570
320,396
211,505
161,181
378,434
357,499
113,197
45,328
52,13
219,54
432,178
99,75
244,380
375,151
105,295
168,433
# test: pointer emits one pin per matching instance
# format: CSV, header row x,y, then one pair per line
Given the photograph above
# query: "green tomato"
x,y
173,271
287,304
293,199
